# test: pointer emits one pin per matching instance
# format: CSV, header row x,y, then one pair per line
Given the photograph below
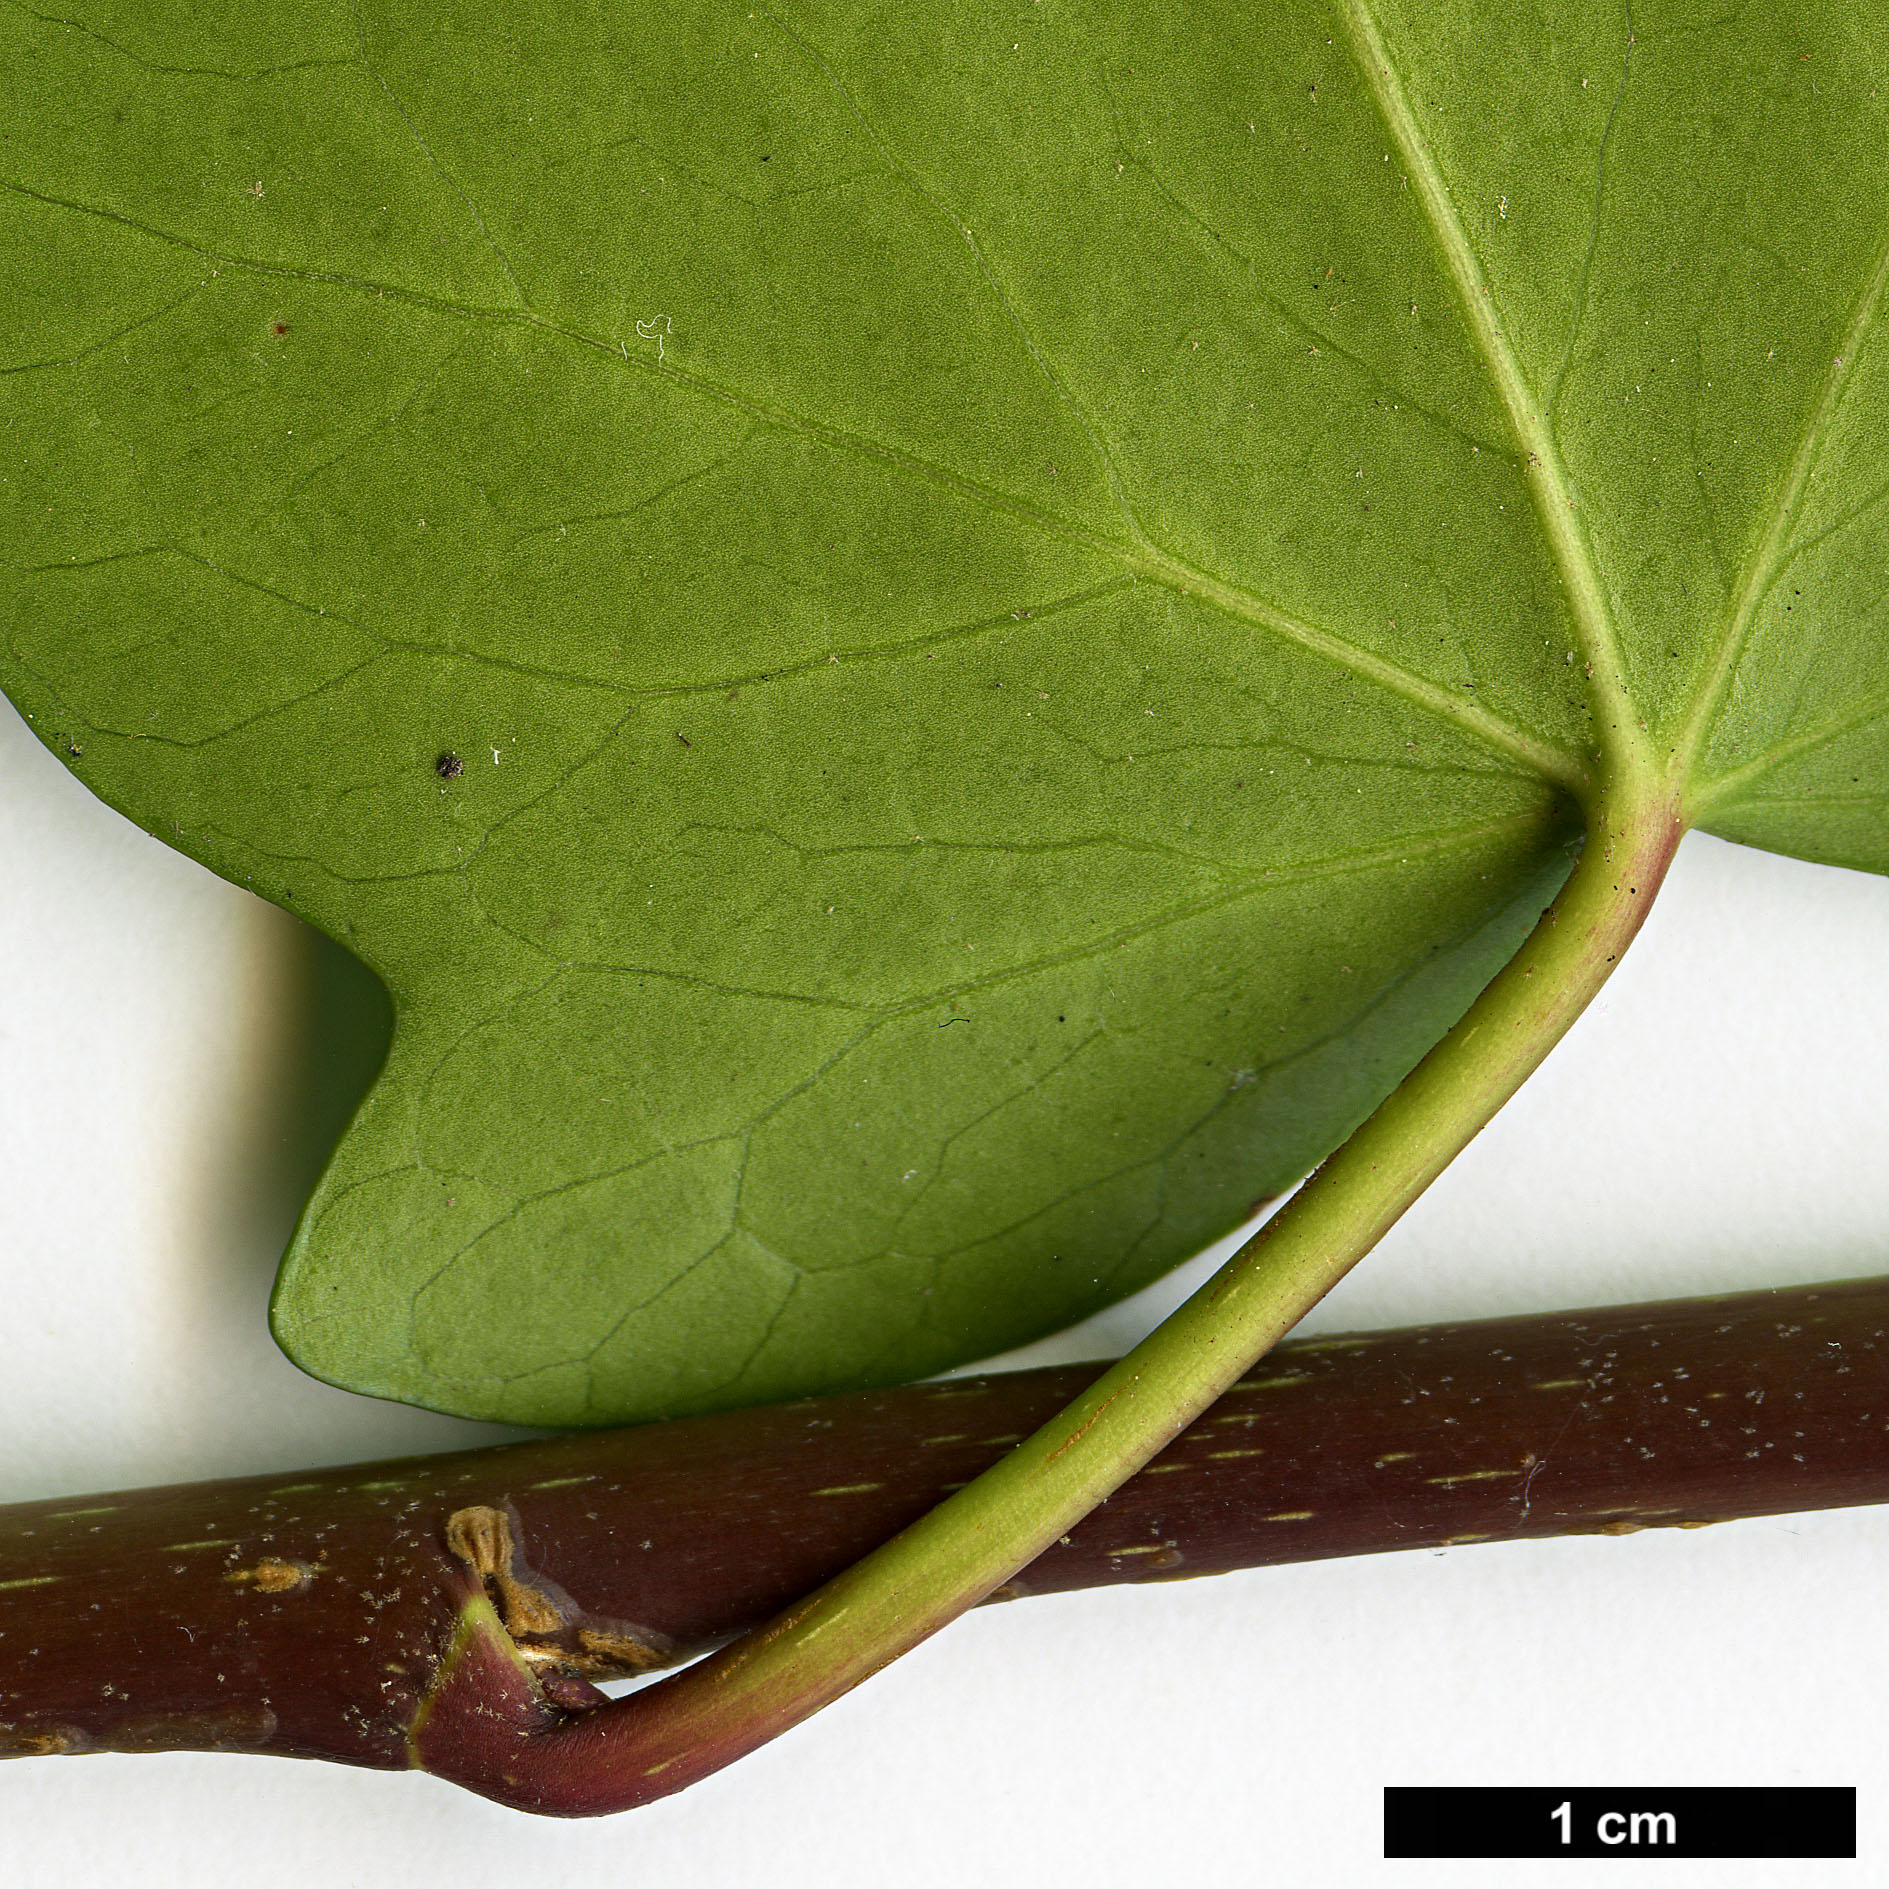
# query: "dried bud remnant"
x,y
482,1539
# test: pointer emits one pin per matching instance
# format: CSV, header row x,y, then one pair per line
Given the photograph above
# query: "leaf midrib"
x,y
1549,486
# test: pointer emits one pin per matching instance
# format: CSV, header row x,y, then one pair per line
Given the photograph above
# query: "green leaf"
x,y
926,644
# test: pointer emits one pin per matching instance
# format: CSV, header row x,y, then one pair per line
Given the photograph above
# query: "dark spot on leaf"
x,y
280,328
449,767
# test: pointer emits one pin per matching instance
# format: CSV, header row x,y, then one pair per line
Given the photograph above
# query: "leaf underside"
x,y
926,644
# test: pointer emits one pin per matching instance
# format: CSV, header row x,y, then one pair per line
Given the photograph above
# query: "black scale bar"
x,y
1764,1821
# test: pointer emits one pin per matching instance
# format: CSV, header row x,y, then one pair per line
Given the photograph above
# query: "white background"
x,y
1717,1121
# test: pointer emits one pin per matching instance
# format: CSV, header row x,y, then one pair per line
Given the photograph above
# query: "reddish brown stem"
x,y
311,1615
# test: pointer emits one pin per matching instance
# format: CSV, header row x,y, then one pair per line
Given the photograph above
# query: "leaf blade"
x,y
908,528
